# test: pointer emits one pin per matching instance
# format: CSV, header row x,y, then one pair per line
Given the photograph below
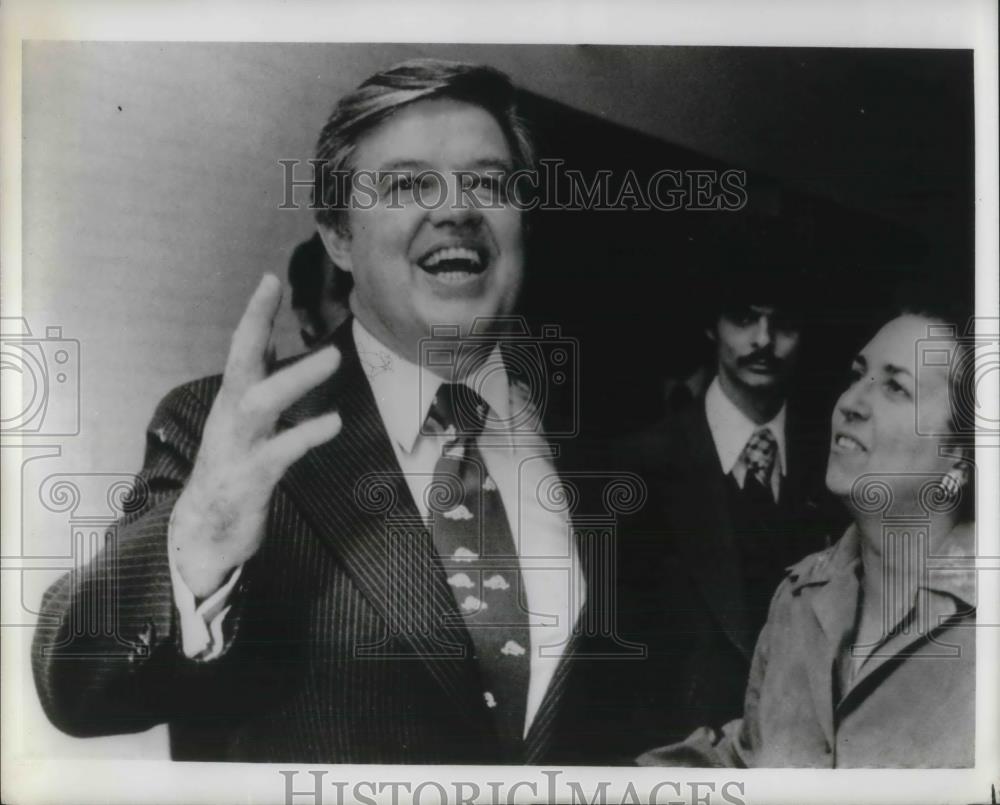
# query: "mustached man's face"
x,y
422,253
756,348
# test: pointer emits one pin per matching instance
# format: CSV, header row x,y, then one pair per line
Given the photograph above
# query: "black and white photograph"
x,y
607,413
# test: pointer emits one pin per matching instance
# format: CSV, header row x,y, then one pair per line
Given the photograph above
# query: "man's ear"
x,y
305,322
338,245
710,334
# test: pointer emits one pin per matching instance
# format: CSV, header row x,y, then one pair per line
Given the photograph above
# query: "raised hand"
x,y
219,519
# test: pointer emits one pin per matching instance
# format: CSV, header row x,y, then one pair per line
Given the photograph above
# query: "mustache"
x,y
766,356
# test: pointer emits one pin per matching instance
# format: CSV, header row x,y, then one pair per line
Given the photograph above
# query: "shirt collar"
x,y
404,391
731,428
951,569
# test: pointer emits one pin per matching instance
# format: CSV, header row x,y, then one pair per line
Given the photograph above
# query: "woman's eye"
x,y
895,387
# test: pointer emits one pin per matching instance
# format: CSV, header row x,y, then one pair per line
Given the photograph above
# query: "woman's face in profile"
x,y
875,420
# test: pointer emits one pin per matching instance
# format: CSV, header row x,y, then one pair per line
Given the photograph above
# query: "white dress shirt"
x,y
518,459
731,430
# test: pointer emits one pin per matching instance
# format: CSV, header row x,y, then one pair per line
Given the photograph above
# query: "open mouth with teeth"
x,y
848,444
454,264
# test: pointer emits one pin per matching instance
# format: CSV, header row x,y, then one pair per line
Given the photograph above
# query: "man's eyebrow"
x,y
413,165
487,163
491,163
740,311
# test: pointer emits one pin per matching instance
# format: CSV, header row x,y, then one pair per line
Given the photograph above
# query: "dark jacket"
x,y
689,528
341,641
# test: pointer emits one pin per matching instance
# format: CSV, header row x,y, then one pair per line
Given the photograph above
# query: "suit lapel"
x,y
804,452
542,731
704,529
346,489
588,647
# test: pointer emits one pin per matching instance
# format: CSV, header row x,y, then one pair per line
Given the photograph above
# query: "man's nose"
x,y
762,333
453,203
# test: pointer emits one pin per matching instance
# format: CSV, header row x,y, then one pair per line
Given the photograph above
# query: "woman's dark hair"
x,y
950,320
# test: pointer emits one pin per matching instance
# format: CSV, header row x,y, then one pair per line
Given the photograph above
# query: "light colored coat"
x,y
910,704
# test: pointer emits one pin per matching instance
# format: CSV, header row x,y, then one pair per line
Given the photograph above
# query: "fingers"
x,y
247,353
264,401
280,452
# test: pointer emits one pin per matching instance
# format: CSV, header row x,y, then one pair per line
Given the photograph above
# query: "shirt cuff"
x,y
201,624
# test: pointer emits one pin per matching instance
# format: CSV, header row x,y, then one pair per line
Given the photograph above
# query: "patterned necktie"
x,y
759,454
473,538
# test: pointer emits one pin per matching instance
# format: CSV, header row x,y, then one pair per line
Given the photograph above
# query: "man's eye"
x,y
488,186
786,324
428,182
401,182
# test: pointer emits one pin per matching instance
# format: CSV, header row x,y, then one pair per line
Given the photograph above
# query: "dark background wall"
x,y
859,180
151,192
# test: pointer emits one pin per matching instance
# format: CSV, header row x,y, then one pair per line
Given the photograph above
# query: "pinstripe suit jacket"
x,y
336,646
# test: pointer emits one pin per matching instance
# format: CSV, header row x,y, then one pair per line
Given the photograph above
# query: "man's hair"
x,y
762,262
384,94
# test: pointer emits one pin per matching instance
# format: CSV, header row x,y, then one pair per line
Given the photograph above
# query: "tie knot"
x,y
760,451
457,406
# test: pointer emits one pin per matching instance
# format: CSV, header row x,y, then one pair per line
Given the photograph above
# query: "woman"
x,y
867,657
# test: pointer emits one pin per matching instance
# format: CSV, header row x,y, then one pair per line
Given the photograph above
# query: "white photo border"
x,y
945,23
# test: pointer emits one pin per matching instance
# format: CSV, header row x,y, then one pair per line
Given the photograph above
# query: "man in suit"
x,y
735,470
361,555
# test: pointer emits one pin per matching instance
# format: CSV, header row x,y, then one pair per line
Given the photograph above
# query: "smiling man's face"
x,y
421,264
